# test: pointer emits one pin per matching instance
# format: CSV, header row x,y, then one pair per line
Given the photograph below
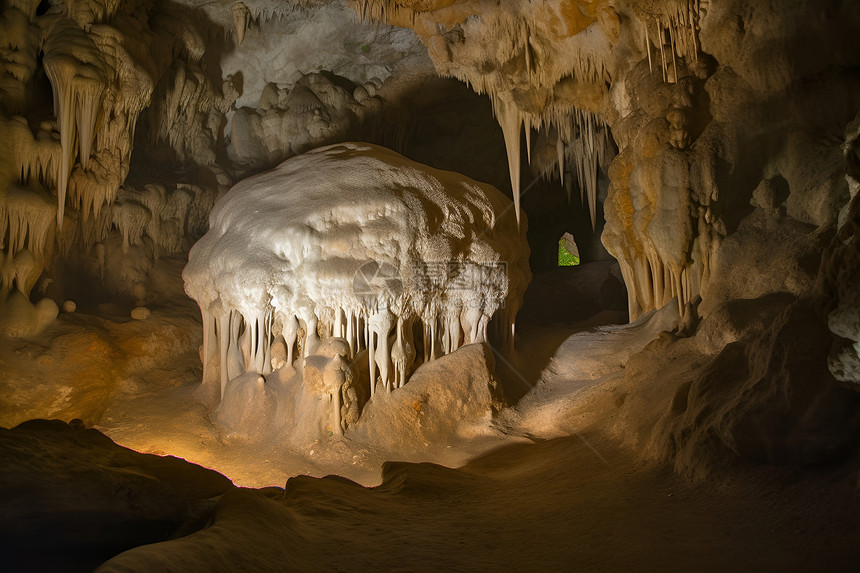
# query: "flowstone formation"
x,y
349,255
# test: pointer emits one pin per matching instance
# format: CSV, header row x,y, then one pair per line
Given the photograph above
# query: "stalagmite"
x,y
354,238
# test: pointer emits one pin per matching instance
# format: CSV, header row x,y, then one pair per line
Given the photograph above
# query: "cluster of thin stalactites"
x,y
394,344
583,140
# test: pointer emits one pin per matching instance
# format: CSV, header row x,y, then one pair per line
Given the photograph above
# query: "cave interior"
x,y
293,285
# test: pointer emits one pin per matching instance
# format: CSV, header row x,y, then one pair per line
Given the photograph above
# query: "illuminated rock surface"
x,y
701,153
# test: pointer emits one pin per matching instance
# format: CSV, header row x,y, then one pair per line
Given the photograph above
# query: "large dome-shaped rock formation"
x,y
354,241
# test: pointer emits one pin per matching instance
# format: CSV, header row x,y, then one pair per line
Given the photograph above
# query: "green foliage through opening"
x,y
565,257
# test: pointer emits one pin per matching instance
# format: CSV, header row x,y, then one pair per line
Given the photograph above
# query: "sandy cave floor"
x,y
543,487
552,505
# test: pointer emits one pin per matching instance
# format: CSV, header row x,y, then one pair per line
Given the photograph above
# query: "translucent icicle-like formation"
x,y
582,143
388,11
29,217
77,90
356,242
511,122
99,89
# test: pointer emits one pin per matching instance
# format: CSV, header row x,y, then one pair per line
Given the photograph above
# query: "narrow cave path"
x,y
548,506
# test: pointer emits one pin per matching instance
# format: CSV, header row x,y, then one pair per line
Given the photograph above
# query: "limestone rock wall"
x,y
80,75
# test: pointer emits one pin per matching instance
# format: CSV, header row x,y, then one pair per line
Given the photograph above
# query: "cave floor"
x,y
553,505
529,494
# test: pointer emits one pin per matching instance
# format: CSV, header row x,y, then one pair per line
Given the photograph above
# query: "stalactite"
x,y
524,36
674,61
402,352
77,90
679,22
210,340
588,66
98,90
387,11
559,150
241,19
648,47
291,330
29,217
511,123
234,361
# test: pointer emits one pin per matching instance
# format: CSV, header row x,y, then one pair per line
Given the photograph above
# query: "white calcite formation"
x,y
282,41
354,241
84,81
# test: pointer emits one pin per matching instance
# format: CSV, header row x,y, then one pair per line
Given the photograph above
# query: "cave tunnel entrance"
x,y
574,276
448,126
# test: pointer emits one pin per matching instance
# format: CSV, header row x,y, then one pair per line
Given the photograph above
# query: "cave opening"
x,y
568,253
